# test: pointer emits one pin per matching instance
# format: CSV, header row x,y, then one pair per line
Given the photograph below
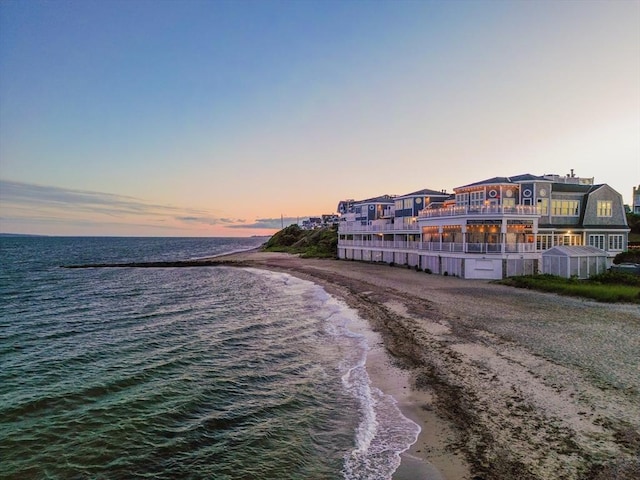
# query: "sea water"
x,y
165,373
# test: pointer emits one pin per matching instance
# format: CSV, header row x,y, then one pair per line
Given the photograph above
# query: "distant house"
x,y
326,220
312,223
330,220
635,208
488,229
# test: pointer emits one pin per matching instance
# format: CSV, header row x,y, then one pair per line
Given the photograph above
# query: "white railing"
x,y
406,226
442,247
387,227
478,210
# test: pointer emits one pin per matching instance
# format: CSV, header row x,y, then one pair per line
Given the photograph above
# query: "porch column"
x,y
463,229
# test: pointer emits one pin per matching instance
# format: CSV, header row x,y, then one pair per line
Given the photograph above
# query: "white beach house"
x,y
489,229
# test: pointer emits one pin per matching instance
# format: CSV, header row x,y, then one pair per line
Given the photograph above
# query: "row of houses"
x,y
491,229
324,221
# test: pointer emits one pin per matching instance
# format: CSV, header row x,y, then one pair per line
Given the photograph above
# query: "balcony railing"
x,y
387,227
478,210
496,248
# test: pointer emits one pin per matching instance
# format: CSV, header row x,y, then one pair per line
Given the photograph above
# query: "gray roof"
x,y
574,188
575,251
423,192
380,199
526,177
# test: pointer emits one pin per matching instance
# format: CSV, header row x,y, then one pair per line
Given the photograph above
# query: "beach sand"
x,y
505,383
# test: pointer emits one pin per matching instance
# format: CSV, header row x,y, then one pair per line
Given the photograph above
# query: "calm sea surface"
x,y
215,372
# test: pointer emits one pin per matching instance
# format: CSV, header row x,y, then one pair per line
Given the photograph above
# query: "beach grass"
x,y
608,287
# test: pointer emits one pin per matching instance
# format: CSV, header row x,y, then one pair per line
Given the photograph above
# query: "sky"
x,y
226,118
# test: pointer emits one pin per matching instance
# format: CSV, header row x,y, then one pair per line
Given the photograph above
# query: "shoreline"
x,y
505,383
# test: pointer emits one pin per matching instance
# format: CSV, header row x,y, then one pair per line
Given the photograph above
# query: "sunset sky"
x,y
216,118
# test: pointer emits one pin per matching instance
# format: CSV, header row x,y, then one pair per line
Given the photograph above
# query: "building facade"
x,y
489,229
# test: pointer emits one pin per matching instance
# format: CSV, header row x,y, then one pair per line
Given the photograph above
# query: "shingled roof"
x,y
526,177
424,192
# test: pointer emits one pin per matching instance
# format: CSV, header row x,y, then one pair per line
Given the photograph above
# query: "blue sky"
x,y
216,118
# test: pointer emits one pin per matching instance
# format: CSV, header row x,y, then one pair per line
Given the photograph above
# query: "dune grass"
x,y
607,287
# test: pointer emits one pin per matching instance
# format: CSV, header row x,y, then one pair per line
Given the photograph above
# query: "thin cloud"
x,y
269,223
211,220
31,201
27,194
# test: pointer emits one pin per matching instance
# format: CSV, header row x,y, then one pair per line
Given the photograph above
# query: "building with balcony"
x,y
489,229
635,208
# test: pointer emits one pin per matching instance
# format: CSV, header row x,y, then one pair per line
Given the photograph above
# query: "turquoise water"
x,y
216,372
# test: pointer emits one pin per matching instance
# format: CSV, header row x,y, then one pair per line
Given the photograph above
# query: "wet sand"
x,y
505,383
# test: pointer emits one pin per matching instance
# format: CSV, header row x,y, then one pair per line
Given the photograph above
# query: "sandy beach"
x,y
505,383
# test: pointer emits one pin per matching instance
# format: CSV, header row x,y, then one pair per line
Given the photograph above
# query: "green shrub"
x,y
320,243
630,256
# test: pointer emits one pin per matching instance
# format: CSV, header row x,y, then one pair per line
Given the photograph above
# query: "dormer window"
x,y
604,208
565,208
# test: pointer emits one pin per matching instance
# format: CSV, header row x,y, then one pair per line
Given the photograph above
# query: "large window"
x,y
569,240
476,198
604,208
615,242
545,242
462,198
597,241
565,208
543,206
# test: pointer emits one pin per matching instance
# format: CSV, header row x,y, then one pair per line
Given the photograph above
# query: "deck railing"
x,y
497,248
478,210
387,227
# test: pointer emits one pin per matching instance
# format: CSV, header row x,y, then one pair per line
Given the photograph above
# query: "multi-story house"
x,y
494,228
366,211
635,208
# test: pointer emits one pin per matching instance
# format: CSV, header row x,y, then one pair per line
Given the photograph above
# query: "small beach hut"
x,y
575,261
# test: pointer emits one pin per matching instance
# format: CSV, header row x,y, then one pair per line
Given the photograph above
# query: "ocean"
x,y
181,373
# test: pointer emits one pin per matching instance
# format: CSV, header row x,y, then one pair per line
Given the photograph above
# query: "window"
x,y
476,198
408,203
615,242
569,240
543,206
597,241
604,208
462,198
545,242
565,208
398,204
